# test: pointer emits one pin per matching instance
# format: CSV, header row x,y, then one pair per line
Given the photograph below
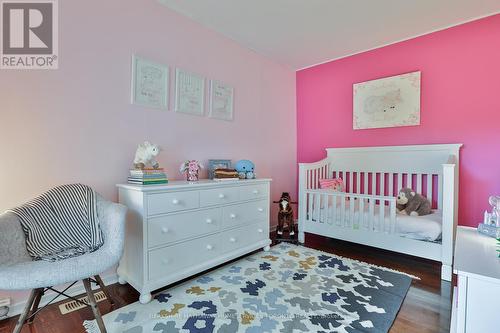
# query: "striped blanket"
x,y
61,223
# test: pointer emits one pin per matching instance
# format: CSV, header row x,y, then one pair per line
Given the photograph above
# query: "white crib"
x,y
366,212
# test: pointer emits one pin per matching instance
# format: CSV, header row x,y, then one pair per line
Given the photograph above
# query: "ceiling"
x,y
302,33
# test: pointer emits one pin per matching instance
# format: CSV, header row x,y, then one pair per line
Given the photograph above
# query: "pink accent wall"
x,y
76,124
460,104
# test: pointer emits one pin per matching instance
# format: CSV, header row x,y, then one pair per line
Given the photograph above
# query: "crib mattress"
x,y
426,228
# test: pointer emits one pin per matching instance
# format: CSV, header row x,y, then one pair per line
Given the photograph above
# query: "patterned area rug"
x,y
288,289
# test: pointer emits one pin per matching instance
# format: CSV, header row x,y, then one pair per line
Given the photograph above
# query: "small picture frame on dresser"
x,y
215,164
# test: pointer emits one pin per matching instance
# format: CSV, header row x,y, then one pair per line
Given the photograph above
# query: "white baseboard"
x,y
77,289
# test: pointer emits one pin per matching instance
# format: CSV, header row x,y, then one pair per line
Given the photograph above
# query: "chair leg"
x,y
27,308
38,296
104,289
93,305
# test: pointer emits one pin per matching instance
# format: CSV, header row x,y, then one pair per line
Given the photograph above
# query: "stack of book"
x,y
225,174
147,176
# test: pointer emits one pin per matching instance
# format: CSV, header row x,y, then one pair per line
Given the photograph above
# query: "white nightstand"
x,y
476,301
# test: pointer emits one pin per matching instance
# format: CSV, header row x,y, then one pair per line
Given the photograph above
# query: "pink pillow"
x,y
336,184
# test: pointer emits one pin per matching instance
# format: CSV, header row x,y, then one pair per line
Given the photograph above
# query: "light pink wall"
x,y
460,103
76,124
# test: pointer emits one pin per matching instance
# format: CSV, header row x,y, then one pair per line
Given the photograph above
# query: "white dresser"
x,y
180,229
476,303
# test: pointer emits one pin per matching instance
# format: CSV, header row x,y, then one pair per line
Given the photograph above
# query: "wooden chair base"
x,y
31,309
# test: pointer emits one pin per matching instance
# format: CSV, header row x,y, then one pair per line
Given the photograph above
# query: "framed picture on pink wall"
x,y
221,100
149,83
388,102
189,93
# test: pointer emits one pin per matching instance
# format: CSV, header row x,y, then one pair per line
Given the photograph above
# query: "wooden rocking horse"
x,y
285,218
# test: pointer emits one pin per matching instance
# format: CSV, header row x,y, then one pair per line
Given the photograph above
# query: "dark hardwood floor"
x,y
426,309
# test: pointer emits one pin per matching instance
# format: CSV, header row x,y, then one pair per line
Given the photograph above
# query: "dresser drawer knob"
x,y
260,230
222,196
209,221
175,202
255,191
165,261
209,247
165,230
232,240
260,209
233,216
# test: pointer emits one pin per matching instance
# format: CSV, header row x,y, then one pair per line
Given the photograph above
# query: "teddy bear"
x,y
145,156
411,203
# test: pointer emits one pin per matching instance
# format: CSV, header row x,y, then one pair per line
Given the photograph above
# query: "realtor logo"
x,y
29,34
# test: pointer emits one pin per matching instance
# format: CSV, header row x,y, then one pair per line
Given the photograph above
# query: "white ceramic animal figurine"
x,y
145,156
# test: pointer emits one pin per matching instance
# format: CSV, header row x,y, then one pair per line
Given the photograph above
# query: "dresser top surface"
x,y
182,184
475,254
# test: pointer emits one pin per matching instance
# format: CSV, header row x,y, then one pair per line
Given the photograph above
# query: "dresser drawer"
x,y
219,196
172,228
254,192
244,236
160,203
245,213
172,259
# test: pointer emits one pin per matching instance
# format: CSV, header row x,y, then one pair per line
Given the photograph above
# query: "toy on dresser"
x,y
285,218
146,169
493,218
491,221
191,170
145,156
246,169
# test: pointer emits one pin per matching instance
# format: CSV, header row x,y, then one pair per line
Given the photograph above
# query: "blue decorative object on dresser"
x,y
246,169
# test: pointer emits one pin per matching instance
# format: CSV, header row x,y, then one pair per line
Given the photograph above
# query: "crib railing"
x,y
374,213
372,182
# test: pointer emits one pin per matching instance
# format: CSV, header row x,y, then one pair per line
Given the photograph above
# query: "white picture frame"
x,y
189,93
388,102
221,101
150,83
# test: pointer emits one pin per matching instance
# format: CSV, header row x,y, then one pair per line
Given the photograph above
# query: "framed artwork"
x,y
149,83
215,164
221,100
189,93
389,102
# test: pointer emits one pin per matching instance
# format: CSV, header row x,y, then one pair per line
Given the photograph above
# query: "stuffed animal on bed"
x,y
335,184
411,203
